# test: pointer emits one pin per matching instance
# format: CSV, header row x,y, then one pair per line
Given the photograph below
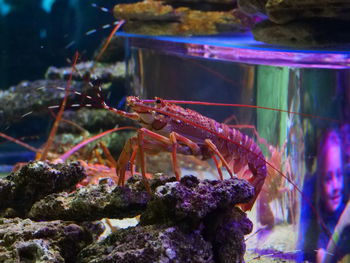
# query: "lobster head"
x,y
149,111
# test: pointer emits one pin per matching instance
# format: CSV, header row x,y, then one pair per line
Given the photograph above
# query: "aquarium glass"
x,y
302,206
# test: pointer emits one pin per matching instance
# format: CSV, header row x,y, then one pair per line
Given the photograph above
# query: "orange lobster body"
x,y
169,127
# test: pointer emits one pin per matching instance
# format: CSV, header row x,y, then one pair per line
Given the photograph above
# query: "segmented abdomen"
x,y
240,151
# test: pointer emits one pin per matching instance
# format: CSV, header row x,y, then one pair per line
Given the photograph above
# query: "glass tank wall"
x,y
302,206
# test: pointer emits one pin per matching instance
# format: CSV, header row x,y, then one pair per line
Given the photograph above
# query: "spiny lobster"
x,y
171,128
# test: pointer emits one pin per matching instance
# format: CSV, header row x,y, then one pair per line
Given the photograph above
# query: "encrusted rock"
x,y
310,33
159,18
36,180
206,205
226,233
283,11
252,6
92,203
103,72
186,221
54,242
149,244
192,200
301,23
93,120
38,96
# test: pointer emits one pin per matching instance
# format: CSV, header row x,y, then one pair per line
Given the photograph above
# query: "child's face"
x,y
332,179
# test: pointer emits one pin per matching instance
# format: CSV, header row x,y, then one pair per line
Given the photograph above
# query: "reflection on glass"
x,y
325,189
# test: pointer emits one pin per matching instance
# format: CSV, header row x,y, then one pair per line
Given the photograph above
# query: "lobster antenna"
x,y
245,106
60,113
66,155
102,8
105,45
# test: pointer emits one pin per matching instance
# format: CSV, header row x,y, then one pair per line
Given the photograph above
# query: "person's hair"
x,y
330,138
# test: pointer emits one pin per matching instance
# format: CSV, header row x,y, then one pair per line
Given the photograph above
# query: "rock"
x,y
301,23
226,233
186,221
115,51
192,200
102,72
283,11
310,33
252,6
54,242
6,192
149,244
206,205
93,202
35,180
41,94
93,120
159,18
32,96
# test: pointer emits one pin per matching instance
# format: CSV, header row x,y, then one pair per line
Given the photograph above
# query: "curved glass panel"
x,y
243,48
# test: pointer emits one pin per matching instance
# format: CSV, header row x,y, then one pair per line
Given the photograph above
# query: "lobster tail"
x,y
257,180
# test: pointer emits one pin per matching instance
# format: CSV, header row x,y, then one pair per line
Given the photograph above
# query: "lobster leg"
x,y
126,155
121,170
215,150
151,142
173,143
218,166
140,141
175,137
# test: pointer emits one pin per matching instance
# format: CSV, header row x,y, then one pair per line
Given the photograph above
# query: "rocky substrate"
x,y
27,109
301,23
186,221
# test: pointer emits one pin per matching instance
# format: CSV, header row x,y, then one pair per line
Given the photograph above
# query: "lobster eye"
x,y
158,101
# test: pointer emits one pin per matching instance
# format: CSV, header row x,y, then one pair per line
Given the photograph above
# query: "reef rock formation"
x,y
205,207
54,242
93,202
181,17
105,73
186,221
305,33
38,95
191,200
149,244
283,11
35,180
301,23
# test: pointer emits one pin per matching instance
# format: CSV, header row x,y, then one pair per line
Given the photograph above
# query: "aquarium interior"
x,y
303,205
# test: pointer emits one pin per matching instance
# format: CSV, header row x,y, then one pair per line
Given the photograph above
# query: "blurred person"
x,y
328,198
